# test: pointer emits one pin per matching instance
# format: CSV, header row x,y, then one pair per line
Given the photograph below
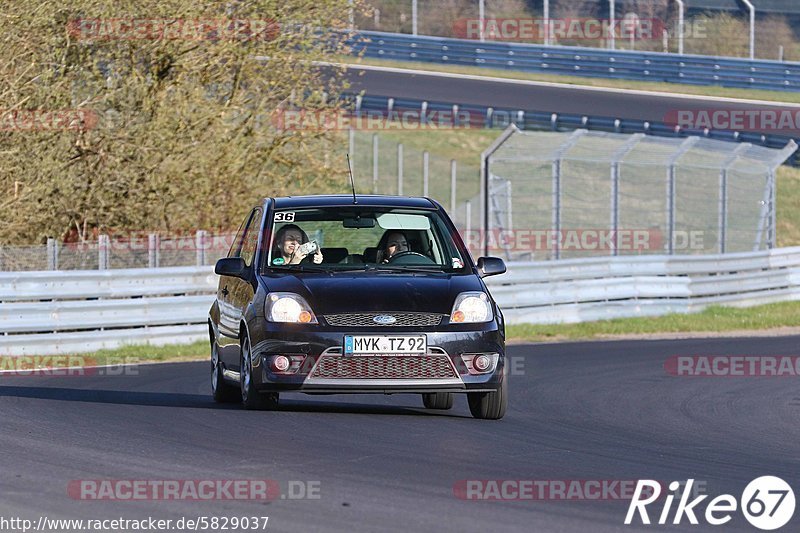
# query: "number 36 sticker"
x,y
284,216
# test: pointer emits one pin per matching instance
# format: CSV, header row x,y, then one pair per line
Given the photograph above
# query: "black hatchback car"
x,y
367,294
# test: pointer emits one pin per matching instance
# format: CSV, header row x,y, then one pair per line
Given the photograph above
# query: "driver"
x,y
394,242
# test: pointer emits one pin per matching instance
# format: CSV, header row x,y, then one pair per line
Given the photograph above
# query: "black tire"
x,y
221,391
489,405
438,400
252,399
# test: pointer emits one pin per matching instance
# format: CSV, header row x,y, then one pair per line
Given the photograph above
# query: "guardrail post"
x,y
425,172
153,250
374,163
103,246
52,254
400,169
453,176
200,246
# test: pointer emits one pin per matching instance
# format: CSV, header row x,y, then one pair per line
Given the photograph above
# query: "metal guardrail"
x,y
579,61
502,117
42,314
580,290
62,312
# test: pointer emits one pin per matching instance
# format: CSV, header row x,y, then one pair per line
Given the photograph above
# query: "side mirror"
x,y
491,266
231,266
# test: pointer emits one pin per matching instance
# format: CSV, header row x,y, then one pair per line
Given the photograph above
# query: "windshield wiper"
x,y
388,268
304,268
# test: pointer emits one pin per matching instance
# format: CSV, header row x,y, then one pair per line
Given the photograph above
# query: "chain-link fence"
x,y
555,195
108,252
382,165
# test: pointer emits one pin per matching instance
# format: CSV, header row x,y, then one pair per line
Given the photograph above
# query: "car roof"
x,y
336,200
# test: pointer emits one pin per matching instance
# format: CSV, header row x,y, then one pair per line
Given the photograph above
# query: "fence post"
x,y
52,254
153,250
723,194
103,245
425,172
468,221
671,192
374,163
351,145
414,17
400,169
772,243
453,186
619,154
200,246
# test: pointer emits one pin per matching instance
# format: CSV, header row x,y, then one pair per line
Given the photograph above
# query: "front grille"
x,y
361,320
384,367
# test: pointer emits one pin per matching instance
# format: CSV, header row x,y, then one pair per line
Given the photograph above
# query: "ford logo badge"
x,y
384,319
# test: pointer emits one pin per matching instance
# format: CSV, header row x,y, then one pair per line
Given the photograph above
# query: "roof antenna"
x,y
352,182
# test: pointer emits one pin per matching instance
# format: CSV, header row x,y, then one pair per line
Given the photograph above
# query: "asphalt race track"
x,y
579,411
595,101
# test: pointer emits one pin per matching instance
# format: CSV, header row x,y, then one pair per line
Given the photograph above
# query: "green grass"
x,y
120,356
788,220
713,319
700,90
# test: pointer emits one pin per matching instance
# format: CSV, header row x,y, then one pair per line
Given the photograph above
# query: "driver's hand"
x,y
318,257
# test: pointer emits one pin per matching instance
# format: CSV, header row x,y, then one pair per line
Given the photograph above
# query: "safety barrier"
x,y
42,313
580,61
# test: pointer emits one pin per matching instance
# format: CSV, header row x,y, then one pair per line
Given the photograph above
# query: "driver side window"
x,y
250,241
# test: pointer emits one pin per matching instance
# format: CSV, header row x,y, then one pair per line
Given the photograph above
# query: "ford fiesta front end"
x,y
327,295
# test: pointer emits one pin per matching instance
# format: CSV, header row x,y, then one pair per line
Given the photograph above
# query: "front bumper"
x,y
325,370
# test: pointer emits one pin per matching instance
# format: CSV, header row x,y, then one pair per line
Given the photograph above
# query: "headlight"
x,y
288,307
471,307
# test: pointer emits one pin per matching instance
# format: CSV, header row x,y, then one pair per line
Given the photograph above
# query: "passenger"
x,y
392,243
287,243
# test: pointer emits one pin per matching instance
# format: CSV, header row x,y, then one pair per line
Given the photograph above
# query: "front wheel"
x,y
252,399
438,400
489,405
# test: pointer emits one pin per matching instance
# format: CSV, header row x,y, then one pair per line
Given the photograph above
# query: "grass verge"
x,y
714,319
699,90
126,355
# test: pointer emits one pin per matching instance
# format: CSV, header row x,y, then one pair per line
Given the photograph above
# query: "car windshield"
x,y
362,238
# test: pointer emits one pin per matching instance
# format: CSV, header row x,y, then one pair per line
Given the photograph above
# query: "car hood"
x,y
377,291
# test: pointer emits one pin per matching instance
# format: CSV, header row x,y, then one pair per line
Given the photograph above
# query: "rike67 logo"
x,y
767,503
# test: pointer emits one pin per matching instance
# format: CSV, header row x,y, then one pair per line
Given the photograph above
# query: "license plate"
x,y
385,344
